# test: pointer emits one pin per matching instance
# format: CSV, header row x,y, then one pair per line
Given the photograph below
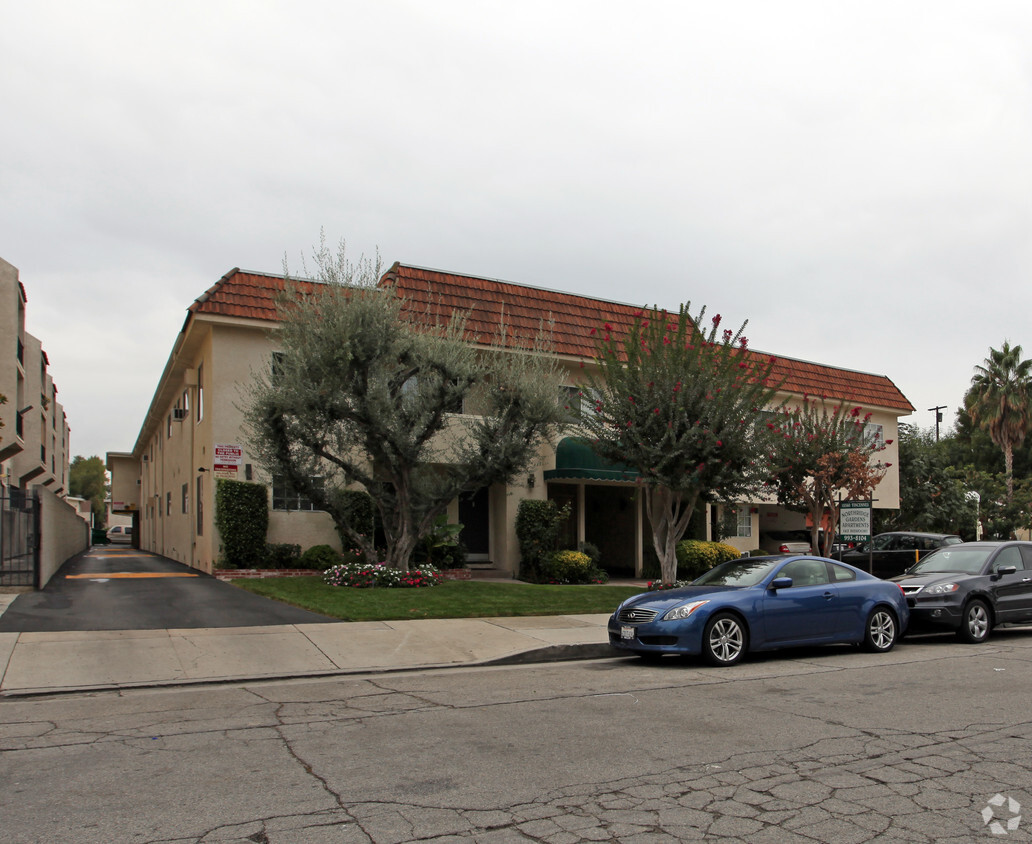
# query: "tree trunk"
x,y
662,506
1008,462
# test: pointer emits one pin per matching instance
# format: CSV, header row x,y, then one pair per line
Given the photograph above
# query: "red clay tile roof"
x,y
244,294
253,296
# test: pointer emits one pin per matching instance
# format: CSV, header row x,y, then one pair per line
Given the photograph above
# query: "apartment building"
x,y
34,439
192,433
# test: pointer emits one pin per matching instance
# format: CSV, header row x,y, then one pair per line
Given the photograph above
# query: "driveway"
x,y
118,588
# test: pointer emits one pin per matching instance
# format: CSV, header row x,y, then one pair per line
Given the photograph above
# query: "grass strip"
x,y
451,599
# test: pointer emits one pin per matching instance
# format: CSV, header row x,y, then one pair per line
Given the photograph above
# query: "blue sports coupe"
x,y
762,603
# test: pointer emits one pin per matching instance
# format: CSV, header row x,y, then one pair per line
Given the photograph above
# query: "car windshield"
x,y
954,559
738,573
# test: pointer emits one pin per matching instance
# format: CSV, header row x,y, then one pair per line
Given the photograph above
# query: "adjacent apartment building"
x,y
192,433
34,439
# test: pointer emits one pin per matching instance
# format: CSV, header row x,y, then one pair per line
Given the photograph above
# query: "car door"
x,y
1013,592
898,554
872,555
804,611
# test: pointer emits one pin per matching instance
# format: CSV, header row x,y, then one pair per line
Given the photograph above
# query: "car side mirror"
x,y
781,583
1006,570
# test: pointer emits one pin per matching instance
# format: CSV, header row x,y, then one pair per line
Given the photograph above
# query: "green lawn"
x,y
451,599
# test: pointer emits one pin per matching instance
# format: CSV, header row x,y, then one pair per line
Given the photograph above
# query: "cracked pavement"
x,y
821,745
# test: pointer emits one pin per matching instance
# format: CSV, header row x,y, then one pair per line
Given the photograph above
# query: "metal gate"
x,y
19,537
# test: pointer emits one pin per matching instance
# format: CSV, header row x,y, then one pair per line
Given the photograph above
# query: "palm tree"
x,y
998,402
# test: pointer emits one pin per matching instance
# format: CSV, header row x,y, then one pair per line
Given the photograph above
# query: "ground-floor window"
x,y
743,521
285,497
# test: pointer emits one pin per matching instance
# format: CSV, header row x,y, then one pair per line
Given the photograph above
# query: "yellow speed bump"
x,y
105,574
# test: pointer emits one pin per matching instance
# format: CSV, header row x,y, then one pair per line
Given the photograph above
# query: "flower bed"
x,y
365,576
255,574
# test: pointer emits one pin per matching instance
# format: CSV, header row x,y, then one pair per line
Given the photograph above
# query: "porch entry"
x,y
607,516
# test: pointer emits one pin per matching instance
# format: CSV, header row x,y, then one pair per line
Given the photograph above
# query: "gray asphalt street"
x,y
118,588
927,744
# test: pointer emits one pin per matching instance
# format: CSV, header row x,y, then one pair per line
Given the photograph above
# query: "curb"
x,y
546,654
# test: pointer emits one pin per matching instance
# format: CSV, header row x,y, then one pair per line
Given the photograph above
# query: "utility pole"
x,y
938,418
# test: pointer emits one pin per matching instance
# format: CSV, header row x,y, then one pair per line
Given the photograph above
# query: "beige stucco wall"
x,y
63,533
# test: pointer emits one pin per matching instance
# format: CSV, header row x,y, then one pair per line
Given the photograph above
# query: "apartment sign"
x,y
228,459
855,521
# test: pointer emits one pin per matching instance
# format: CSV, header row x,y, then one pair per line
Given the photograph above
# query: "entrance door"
x,y
610,523
474,516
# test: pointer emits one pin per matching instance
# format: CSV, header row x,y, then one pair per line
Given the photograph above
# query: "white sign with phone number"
x,y
855,521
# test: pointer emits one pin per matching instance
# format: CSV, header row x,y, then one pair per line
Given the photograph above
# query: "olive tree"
x,y
681,405
366,391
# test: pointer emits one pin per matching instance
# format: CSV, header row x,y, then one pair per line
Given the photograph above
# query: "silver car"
x,y
786,542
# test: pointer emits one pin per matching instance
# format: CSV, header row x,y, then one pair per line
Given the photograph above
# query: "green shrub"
x,y
592,551
537,530
242,518
571,567
282,555
696,557
441,547
319,557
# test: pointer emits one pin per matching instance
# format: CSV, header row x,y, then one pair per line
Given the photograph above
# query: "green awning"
x,y
575,460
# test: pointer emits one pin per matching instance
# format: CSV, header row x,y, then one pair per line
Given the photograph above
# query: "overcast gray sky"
x,y
855,179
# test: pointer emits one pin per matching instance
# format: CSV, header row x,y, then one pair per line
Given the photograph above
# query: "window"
x,y
805,572
185,401
743,521
1010,555
841,573
186,498
200,393
168,503
278,361
200,506
579,401
285,497
168,427
874,434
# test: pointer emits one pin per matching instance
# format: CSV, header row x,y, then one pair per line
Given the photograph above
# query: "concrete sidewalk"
x,y
54,662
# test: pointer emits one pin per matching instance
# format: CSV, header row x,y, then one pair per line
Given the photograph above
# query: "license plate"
x,y
626,632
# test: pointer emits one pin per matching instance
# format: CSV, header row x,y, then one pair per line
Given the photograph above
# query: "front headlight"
x,y
941,589
683,611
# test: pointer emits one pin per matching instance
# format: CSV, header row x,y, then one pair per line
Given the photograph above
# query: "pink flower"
x,y
716,320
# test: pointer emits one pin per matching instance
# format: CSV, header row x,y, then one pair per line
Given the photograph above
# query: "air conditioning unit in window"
x,y
179,414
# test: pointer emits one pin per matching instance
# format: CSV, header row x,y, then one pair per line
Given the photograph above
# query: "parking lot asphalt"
x,y
120,588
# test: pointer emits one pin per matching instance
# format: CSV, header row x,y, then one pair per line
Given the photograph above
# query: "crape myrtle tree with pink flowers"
x,y
818,453
682,406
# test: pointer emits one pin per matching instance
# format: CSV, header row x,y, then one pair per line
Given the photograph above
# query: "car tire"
x,y
881,631
724,640
975,623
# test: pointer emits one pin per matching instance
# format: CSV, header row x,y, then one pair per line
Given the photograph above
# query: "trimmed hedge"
x,y
537,530
242,519
696,557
